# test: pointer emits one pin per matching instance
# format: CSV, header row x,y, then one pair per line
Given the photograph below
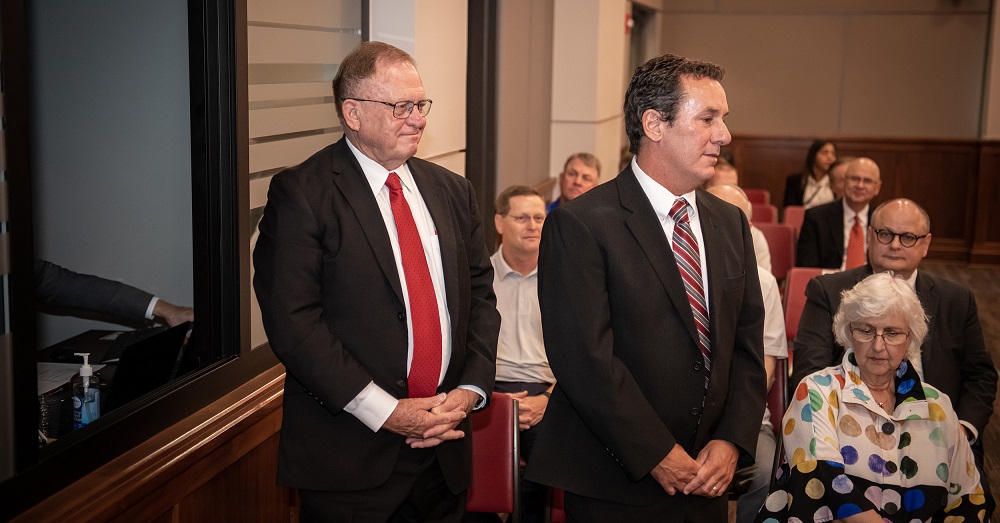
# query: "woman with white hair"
x,y
867,441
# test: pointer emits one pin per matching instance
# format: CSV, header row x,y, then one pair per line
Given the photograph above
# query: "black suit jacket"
x,y
821,239
621,341
56,286
794,189
332,307
954,356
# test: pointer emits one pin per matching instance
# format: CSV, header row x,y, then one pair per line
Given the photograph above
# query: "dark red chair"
x,y
496,485
794,215
777,397
764,213
761,196
795,297
781,242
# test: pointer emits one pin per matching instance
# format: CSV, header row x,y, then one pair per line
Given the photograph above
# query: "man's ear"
x,y
352,116
653,125
497,220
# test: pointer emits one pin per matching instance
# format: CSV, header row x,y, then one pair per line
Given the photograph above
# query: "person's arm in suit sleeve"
x,y
979,375
807,247
60,287
579,341
288,260
814,344
793,188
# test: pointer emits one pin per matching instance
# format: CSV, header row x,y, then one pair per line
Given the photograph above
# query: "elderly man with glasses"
x,y
376,292
953,357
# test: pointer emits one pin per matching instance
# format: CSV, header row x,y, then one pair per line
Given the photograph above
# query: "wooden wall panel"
x,y
217,465
946,177
986,247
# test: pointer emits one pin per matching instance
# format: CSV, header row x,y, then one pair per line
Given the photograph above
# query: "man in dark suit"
x,y
826,229
953,357
375,289
660,377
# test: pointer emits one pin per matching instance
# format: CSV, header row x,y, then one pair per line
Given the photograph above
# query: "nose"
x,y
723,137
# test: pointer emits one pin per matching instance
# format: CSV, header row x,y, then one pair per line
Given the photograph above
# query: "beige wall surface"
x,y
525,92
853,68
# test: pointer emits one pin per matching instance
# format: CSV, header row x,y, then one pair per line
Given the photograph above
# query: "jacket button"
x,y
888,428
401,317
697,365
695,411
401,383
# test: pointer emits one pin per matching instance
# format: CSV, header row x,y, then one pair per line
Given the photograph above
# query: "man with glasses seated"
x,y
834,234
522,365
953,356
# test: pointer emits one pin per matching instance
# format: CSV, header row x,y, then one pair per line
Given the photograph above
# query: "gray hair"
x,y
881,295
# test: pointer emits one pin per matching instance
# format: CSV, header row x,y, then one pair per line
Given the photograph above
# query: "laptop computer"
x,y
146,365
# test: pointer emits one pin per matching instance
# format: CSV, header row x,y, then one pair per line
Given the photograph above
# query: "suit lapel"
x,y
714,254
351,181
929,300
837,227
437,203
646,228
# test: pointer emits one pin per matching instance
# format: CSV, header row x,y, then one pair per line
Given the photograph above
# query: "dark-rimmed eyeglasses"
x,y
402,109
868,334
906,239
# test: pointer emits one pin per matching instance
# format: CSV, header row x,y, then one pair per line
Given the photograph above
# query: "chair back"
x,y
760,196
495,484
777,397
795,297
764,213
781,242
794,215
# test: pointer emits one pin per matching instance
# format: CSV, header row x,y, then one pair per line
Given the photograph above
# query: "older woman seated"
x,y
866,440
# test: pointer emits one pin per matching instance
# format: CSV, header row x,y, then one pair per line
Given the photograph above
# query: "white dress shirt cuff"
x,y
150,307
482,395
970,431
372,406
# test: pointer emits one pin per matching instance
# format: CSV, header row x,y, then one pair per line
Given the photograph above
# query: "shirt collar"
x,y
662,199
377,175
503,270
849,214
908,385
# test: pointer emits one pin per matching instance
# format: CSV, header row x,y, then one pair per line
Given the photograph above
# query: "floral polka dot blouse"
x,y
846,455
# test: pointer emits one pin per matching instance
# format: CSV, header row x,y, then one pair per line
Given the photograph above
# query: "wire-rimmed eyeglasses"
x,y
403,108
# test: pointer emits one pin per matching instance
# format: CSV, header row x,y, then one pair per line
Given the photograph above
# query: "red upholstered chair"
x,y
777,397
795,297
496,485
781,241
794,214
557,514
764,213
759,196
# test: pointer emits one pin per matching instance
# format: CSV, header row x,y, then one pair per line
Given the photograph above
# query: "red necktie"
x,y
425,369
855,246
689,262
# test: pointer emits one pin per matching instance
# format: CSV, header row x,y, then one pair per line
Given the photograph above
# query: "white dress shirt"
x,y
817,192
662,200
775,342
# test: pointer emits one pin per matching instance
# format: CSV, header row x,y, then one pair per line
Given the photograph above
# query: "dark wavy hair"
x,y
656,85
811,158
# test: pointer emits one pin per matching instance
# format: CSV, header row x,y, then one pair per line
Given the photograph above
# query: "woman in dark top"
x,y
811,187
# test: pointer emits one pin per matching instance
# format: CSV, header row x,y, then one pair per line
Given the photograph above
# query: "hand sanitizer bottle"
x,y
86,394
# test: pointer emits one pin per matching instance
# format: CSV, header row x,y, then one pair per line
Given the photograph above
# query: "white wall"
x,y
435,32
112,145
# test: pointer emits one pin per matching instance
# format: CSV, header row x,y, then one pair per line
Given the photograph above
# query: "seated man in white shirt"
x,y
522,367
752,482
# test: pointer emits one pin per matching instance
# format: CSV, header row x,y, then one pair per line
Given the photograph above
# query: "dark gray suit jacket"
x,y
333,309
821,239
56,286
954,356
621,341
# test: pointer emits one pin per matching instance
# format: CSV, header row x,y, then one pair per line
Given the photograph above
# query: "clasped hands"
x,y
707,475
428,422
